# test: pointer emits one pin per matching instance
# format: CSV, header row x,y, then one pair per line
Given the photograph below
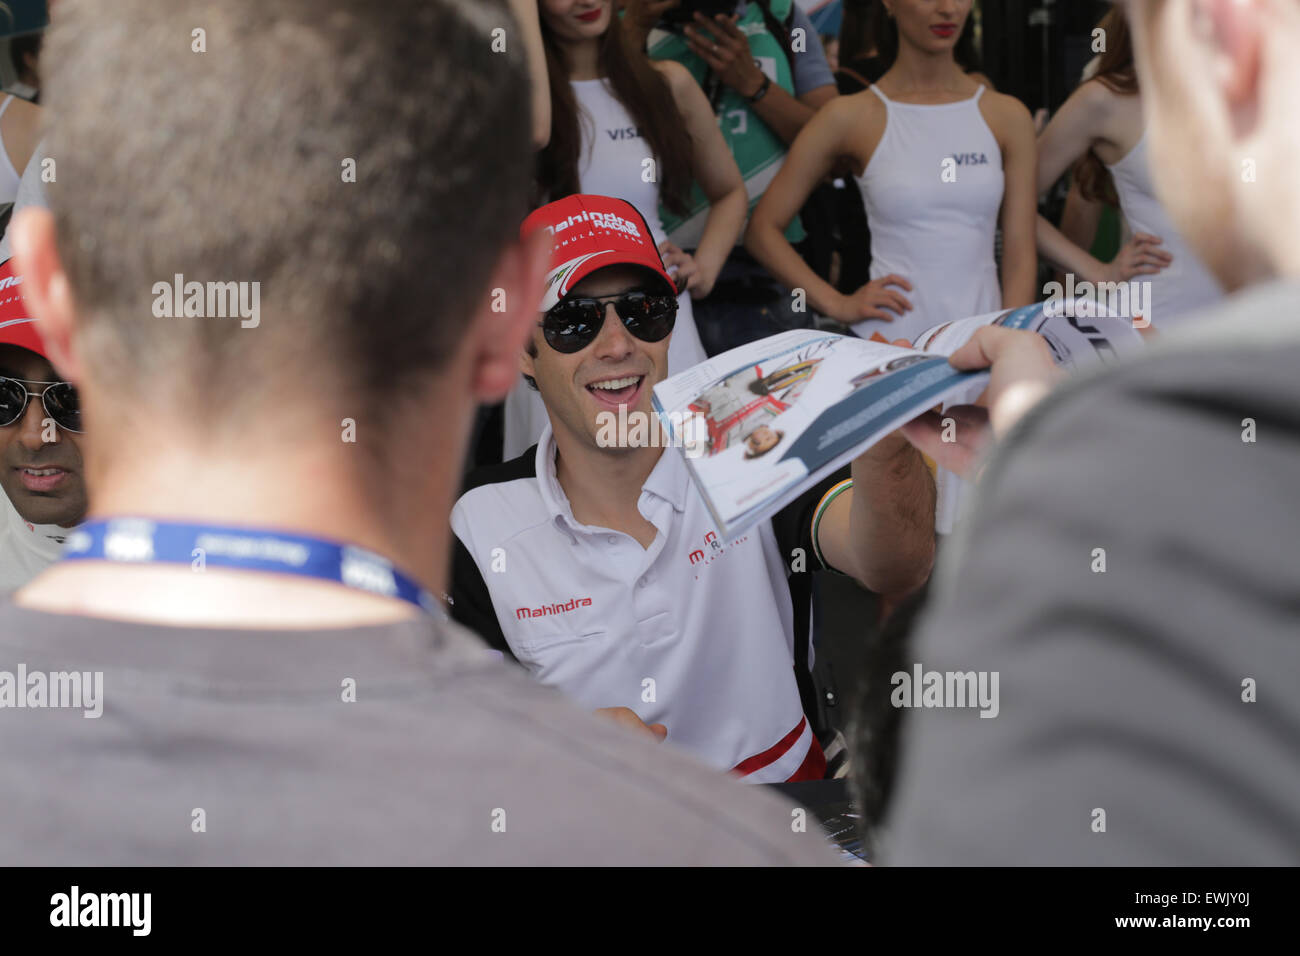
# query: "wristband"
x,y
762,90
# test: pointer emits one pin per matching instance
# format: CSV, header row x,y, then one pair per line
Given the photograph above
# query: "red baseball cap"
x,y
17,327
590,233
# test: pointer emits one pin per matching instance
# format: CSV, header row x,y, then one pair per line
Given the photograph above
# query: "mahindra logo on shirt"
x,y
523,613
970,159
711,539
715,550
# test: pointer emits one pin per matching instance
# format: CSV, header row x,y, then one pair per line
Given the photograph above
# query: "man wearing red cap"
x,y
40,461
598,566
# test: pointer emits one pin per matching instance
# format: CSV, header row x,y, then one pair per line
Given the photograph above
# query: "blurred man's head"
x,y
363,167
1219,82
601,340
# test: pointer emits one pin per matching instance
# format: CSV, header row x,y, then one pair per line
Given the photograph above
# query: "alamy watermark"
x,y
127,910
74,690
1128,300
637,429
922,688
208,300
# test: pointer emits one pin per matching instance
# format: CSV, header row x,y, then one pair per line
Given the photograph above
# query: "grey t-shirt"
x,y
238,747
1149,712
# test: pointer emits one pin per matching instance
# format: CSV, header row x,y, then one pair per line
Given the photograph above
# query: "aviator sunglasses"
x,y
59,399
573,324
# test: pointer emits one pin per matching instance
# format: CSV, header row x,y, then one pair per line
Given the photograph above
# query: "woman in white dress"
x,y
1101,133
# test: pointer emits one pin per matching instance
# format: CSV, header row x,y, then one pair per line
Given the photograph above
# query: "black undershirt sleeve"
x,y
471,601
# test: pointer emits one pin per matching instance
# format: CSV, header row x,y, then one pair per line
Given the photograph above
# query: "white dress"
x,y
1185,286
933,190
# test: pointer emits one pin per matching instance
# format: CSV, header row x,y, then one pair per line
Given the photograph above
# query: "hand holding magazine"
x,y
763,422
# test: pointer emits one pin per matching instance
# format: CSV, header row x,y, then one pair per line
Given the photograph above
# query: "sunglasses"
x,y
59,399
573,324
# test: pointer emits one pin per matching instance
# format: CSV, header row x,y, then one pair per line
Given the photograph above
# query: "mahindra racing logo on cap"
x,y
8,281
601,220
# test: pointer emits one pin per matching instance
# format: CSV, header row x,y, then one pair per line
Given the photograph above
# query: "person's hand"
x,y
641,16
720,44
627,717
871,300
1022,373
689,276
1140,256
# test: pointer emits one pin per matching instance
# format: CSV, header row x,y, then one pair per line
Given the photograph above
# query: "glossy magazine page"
x,y
763,422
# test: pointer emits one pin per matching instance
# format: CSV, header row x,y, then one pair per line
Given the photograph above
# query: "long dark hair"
x,y
884,34
1115,71
644,93
855,30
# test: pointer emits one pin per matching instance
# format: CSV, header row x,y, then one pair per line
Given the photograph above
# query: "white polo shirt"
x,y
696,633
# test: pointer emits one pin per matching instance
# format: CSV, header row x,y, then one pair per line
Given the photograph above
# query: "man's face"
x,y
761,440
575,386
42,479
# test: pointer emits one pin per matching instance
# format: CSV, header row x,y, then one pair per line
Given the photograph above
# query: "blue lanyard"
x,y
146,541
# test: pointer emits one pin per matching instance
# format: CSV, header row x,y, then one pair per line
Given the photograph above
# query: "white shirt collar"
x,y
669,481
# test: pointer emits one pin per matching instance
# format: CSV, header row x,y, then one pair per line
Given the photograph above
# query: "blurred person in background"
x,y
1125,569
1101,133
860,66
763,86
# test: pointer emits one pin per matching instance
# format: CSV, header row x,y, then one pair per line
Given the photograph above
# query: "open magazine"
x,y
763,422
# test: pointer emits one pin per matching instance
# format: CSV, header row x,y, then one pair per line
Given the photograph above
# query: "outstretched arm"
x,y
881,531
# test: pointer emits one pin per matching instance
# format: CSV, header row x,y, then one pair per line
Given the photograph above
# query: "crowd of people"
x,y
362,580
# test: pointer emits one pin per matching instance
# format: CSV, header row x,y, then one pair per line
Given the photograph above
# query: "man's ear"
x,y
1235,27
526,364
505,323
46,290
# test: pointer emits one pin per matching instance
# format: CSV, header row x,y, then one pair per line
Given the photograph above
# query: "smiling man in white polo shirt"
x,y
600,569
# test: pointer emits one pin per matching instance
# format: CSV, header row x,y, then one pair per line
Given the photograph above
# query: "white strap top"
x,y
932,191
614,154
1186,286
9,176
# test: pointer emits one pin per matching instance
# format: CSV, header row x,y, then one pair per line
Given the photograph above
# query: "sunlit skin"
x,y
59,499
